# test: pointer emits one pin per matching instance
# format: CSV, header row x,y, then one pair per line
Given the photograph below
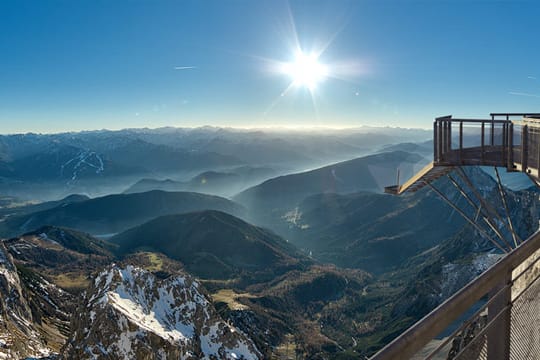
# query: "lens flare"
x,y
306,70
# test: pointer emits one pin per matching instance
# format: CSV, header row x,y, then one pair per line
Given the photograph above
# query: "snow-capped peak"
x,y
129,311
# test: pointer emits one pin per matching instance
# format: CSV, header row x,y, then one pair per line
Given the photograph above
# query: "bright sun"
x,y
305,70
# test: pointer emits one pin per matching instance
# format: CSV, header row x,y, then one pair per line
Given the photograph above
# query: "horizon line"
x,y
240,128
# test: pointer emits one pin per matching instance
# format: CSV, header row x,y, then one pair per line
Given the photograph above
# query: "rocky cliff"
x,y
25,330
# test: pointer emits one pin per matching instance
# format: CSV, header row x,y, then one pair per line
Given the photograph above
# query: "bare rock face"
x,y
129,313
20,336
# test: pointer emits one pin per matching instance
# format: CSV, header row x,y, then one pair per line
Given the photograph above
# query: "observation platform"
x,y
497,315
509,140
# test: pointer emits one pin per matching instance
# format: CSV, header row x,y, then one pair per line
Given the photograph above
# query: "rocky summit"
x,y
130,313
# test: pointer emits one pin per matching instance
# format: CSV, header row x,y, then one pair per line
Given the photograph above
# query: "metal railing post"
x,y
524,148
498,336
503,143
483,141
435,147
492,131
510,163
449,142
443,137
440,141
460,141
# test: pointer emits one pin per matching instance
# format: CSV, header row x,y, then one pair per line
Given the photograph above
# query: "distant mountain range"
x,y
58,162
422,148
79,162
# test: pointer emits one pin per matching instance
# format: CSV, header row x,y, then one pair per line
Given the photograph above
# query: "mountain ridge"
x,y
114,213
212,244
348,176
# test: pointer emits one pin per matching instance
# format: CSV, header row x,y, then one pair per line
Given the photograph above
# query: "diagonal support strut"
x,y
467,218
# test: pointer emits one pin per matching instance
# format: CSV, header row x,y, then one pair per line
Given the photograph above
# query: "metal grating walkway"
x,y
428,174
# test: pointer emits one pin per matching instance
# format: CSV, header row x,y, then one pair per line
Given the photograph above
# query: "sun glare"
x,y
306,70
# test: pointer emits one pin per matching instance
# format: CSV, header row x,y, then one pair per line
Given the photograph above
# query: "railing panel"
x,y
505,325
505,143
533,139
470,344
470,142
525,324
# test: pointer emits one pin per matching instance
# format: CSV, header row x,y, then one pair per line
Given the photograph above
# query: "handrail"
x,y
417,336
514,114
451,119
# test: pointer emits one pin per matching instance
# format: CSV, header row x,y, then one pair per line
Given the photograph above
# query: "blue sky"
x,y
73,65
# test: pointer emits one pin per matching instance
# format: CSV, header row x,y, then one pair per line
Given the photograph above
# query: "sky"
x,y
81,65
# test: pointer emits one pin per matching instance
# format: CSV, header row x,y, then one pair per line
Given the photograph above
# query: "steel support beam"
x,y
484,203
515,237
467,218
485,216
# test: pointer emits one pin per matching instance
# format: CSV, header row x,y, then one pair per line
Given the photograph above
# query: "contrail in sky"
x,y
184,67
523,94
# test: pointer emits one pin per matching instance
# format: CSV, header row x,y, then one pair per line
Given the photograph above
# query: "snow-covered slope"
x,y
128,313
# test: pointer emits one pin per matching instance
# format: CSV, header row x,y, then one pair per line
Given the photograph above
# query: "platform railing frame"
x,y
496,147
442,141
